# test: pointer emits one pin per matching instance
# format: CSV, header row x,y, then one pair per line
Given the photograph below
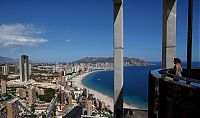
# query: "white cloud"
x,y
19,34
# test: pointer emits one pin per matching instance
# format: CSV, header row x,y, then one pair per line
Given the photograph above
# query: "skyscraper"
x,y
54,68
69,100
16,69
29,69
85,92
12,109
24,68
3,88
31,96
5,69
62,97
89,107
3,111
22,93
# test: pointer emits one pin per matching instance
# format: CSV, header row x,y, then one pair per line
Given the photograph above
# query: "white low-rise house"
x,y
67,93
77,93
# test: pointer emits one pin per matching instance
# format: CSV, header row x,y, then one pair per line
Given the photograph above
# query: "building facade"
x,y
5,69
89,107
31,96
3,88
3,112
24,68
12,109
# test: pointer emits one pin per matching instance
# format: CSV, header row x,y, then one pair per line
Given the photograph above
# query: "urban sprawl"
x,y
48,90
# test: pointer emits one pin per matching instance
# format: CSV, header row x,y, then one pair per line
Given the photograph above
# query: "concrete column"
x,y
118,58
169,33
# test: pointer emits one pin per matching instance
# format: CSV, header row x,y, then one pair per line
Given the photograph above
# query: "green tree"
x,y
48,95
43,115
33,108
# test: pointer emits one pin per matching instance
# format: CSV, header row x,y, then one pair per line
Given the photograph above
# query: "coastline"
x,y
108,100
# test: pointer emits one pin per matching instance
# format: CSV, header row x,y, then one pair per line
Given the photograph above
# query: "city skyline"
x,y
68,30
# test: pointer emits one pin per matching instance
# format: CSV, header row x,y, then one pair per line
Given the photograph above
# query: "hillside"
x,y
4,60
127,61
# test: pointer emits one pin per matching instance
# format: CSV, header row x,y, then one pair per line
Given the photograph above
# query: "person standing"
x,y
177,68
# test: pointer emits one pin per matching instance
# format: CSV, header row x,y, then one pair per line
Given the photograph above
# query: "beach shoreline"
x,y
107,99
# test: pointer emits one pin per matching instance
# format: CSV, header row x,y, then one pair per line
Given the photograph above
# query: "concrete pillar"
x,y
169,33
118,58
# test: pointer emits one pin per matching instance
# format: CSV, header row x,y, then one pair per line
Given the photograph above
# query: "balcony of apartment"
x,y
172,96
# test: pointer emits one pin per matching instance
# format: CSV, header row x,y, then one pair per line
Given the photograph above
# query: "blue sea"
x,y
135,83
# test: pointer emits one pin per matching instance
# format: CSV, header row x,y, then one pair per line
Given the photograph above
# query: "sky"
x,y
66,30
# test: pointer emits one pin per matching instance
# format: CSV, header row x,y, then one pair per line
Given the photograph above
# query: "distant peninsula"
x,y
127,61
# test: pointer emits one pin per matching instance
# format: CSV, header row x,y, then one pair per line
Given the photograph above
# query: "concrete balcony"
x,y
171,96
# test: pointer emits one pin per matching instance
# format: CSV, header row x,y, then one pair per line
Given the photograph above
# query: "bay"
x,y
135,87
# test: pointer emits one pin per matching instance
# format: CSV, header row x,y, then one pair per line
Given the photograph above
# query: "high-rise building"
x,y
31,96
22,93
80,100
89,107
12,109
17,91
69,100
29,69
24,68
3,87
3,111
16,69
62,97
96,103
5,69
85,92
54,68
101,105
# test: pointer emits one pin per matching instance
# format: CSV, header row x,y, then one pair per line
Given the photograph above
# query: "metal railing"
x,y
188,80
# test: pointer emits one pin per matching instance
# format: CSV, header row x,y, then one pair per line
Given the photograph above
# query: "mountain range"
x,y
127,61
4,60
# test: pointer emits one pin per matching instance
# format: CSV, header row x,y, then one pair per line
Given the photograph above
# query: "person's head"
x,y
179,61
175,60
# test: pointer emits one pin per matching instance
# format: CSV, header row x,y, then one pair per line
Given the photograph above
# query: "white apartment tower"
x,y
5,69
30,69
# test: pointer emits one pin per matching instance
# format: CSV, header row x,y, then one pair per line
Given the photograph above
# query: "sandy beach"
x,y
108,100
